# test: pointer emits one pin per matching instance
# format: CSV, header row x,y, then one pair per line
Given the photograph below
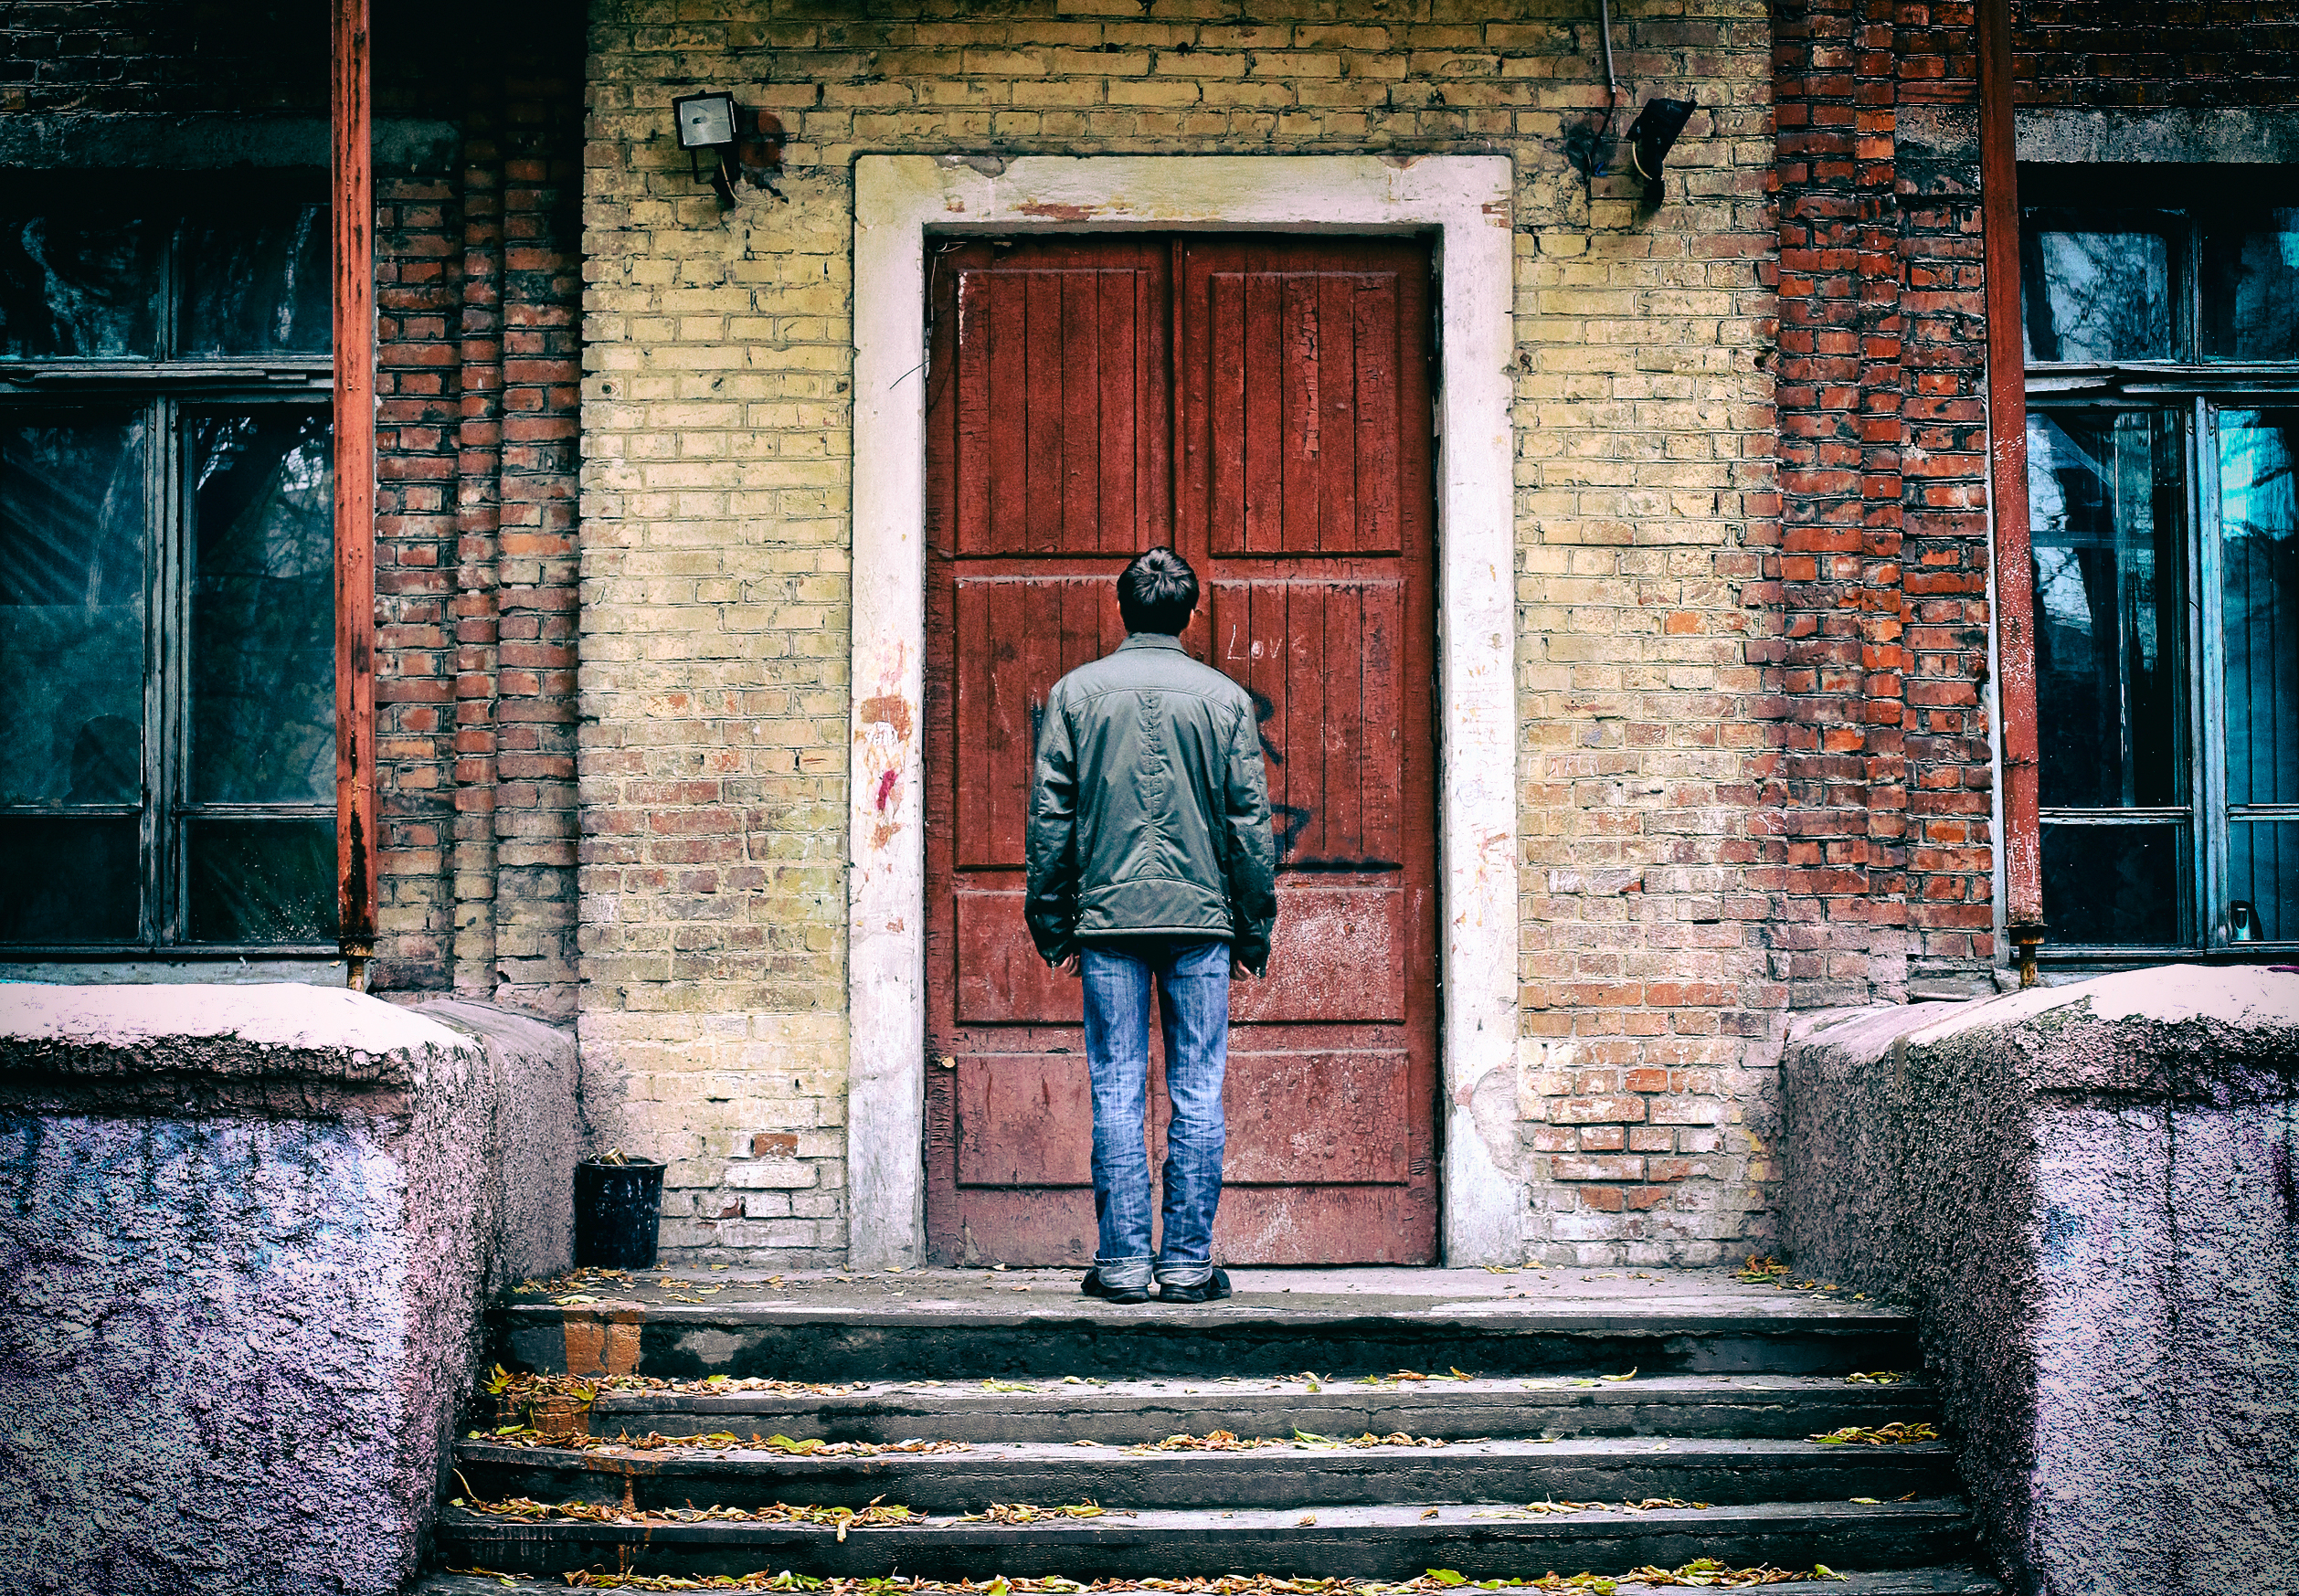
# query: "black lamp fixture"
x,y
712,122
1650,138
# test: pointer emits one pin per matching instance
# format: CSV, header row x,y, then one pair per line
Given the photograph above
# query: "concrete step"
x,y
1385,1542
1033,1325
1949,1581
1781,1407
1300,1477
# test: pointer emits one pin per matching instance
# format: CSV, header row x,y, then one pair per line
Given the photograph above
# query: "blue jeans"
x,y
1193,983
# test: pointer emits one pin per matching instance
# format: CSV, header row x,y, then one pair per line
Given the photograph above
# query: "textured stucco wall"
x,y
245,1235
2088,1194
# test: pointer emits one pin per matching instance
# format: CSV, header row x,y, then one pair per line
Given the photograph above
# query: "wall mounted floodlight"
x,y
742,143
1650,138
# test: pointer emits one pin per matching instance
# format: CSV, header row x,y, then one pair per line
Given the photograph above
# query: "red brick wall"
x,y
2156,52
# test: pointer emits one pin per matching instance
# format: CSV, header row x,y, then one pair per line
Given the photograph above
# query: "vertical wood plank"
x,y
1337,383
353,216
1305,668
1387,760
1376,524
1042,437
1117,330
1263,428
1345,771
977,442
1004,332
1224,375
1080,378
1298,366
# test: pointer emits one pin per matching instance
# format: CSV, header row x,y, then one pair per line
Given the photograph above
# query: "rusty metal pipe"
x,y
354,209
2008,465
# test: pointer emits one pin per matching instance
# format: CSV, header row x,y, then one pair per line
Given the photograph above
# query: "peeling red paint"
x,y
886,779
888,709
1055,212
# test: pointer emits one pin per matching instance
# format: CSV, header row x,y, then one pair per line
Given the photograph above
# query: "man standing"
x,y
1150,862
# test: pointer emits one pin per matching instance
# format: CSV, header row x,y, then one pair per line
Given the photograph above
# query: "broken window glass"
x,y
2096,296
74,288
261,880
263,607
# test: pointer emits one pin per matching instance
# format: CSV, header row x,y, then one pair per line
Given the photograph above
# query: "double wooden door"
x,y
1262,405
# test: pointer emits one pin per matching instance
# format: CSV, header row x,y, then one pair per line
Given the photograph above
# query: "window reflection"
x,y
2251,289
2104,502
74,288
72,534
2096,296
2259,565
263,613
258,285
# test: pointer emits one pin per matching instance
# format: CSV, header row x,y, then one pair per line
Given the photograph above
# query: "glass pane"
x,y
2262,878
263,608
2115,885
258,285
65,881
263,880
2096,296
2103,514
72,515
2258,562
2251,289
69,287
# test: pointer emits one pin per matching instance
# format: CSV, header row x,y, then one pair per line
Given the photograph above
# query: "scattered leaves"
x,y
1879,1435
1025,1513
1223,1441
1704,1572
719,1441
1882,1376
878,1514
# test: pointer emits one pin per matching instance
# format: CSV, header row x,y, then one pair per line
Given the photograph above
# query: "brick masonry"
x,y
717,471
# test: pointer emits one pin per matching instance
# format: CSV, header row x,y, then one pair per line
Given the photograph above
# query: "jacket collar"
x,y
1151,641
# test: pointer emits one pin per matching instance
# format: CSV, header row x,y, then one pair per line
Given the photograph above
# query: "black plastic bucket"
x,y
618,1212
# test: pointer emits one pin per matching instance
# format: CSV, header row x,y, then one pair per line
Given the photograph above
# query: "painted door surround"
x,y
1465,201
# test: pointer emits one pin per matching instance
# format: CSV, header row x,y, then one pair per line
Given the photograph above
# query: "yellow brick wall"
x,y
717,466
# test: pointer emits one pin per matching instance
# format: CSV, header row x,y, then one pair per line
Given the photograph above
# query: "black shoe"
x,y
1213,1288
1121,1293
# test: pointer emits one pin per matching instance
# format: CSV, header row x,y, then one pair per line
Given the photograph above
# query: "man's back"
x,y
1149,811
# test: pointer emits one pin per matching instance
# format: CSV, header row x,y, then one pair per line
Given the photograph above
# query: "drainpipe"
x,y
2008,465
354,207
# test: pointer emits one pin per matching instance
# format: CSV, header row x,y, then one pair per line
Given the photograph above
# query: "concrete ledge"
x,y
2087,1195
250,1230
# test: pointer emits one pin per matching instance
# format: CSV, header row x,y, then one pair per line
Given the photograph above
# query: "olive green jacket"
x,y
1150,808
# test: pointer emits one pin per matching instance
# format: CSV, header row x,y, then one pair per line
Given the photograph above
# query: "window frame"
x,y
166,392
2197,391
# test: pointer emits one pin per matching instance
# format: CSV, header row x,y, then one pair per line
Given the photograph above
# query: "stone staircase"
x,y
1609,1420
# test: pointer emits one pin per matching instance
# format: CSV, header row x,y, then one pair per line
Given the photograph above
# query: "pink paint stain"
x,y
885,786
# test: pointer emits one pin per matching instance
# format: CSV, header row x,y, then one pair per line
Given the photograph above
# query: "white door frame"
x,y
1465,200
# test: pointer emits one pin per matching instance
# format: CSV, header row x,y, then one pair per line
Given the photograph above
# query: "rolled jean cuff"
x,y
1182,1274
1122,1273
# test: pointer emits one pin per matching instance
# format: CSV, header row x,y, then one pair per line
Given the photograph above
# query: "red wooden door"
x,y
1263,405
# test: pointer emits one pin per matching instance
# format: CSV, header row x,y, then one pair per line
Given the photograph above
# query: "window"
x,y
2163,431
167,753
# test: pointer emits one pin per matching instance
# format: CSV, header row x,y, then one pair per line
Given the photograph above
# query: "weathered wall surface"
x,y
717,468
2087,1193
245,1235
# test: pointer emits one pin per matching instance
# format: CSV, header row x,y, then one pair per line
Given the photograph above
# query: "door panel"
x,y
1261,404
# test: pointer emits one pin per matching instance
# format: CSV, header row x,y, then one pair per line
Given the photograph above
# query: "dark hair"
x,y
1157,592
